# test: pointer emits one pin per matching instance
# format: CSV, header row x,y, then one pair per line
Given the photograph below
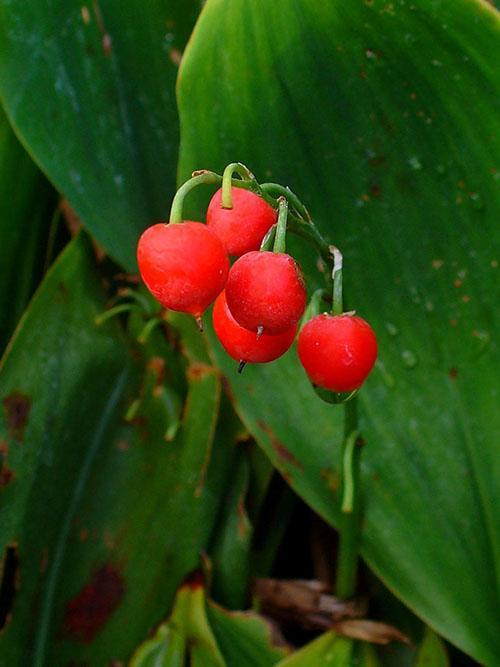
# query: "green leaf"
x,y
104,518
327,649
244,638
230,553
26,204
209,635
383,117
89,89
432,651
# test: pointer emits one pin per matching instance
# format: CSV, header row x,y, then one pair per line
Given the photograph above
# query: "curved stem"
x,y
280,190
199,178
147,329
112,312
311,233
349,524
280,239
234,168
338,305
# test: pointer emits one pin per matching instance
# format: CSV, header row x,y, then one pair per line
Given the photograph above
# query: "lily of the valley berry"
x,y
186,267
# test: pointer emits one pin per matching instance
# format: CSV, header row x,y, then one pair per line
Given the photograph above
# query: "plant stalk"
x,y
227,181
338,303
349,525
280,237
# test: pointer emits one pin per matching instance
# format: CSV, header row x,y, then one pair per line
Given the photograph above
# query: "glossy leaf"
x,y
26,204
105,517
383,118
106,133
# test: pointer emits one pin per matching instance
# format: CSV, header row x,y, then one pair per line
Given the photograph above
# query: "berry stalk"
x,y
199,178
278,190
227,181
280,238
337,299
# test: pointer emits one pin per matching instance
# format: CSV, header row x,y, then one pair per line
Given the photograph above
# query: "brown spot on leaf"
x,y
331,478
6,475
227,388
88,612
175,56
197,371
194,580
375,190
72,220
453,373
122,445
17,408
280,449
157,366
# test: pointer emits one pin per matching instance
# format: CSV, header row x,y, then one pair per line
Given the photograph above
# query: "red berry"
x,y
244,345
242,227
337,351
266,289
184,265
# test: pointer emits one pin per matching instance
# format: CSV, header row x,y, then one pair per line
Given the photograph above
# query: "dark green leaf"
x,y
230,553
104,516
244,638
26,204
383,117
90,91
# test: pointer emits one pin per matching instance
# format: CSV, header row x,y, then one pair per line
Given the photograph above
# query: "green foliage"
x,y
122,463
366,111
208,636
26,203
90,90
105,516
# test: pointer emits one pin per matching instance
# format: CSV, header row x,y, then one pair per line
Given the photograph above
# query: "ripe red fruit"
x,y
242,227
184,265
244,345
266,289
337,351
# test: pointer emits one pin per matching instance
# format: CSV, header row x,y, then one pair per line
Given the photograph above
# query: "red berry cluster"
x,y
261,298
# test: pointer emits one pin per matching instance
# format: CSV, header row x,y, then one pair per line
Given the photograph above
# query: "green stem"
x,y
278,190
227,184
347,472
349,525
338,306
112,312
280,238
310,232
200,178
296,225
268,240
148,329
